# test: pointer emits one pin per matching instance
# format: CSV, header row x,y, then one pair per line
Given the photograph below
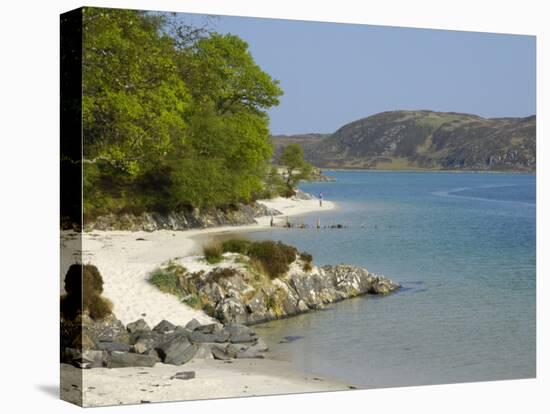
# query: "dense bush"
x,y
84,286
275,257
213,253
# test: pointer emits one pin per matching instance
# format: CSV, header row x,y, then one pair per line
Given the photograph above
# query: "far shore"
x,y
420,170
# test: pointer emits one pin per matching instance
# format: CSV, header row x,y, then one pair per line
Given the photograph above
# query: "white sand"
x,y
125,262
213,379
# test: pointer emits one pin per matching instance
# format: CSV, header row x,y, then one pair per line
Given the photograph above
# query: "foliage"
x,y
83,287
174,116
275,257
213,253
166,281
292,157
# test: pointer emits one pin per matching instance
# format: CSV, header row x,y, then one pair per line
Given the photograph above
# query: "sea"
x,y
463,247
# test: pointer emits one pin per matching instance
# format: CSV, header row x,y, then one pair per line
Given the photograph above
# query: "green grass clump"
x,y
166,281
84,286
213,253
275,257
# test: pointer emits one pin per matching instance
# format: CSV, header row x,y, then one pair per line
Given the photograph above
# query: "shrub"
x,y
213,253
236,246
306,257
275,257
84,285
165,280
307,267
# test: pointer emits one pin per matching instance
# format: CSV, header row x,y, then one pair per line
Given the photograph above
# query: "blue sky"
x,y
336,73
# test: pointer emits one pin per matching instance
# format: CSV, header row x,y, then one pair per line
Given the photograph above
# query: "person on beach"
x,y
271,222
320,199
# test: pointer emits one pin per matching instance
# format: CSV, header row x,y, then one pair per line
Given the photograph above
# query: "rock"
x,y
302,307
193,324
164,327
259,346
249,354
185,375
177,351
108,329
219,351
181,330
231,310
95,358
209,333
203,352
113,346
137,326
126,359
239,333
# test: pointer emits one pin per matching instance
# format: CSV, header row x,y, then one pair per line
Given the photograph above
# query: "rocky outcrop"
x,y
137,345
244,296
181,220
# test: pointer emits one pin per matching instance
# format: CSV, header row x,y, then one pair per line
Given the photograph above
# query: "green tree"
x,y
134,101
292,157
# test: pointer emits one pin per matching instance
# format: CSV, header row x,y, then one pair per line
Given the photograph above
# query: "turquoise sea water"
x,y
463,247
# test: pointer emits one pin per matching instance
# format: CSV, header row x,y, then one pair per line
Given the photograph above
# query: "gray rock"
x,y
177,351
184,375
259,346
113,346
164,327
240,333
137,326
219,351
231,310
217,336
181,330
126,359
249,353
203,352
192,324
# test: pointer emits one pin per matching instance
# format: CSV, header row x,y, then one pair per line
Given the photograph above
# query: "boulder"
x,y
164,327
219,351
231,310
177,351
113,346
119,359
259,346
193,324
203,352
239,333
107,329
137,326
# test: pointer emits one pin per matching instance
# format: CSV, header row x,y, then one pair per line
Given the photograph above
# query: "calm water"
x,y
462,246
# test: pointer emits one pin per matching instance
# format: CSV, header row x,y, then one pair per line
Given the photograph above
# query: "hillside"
x,y
424,140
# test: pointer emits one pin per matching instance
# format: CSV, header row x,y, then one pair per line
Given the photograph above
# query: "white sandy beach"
x,y
125,263
213,379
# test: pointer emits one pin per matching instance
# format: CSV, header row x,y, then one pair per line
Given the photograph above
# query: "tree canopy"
x,y
292,157
171,118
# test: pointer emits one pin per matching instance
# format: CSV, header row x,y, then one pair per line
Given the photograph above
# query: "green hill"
x,y
424,140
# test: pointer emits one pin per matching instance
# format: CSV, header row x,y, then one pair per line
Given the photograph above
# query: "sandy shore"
x,y
125,260
213,379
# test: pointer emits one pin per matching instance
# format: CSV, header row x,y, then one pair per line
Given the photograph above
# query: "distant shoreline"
x,y
373,170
